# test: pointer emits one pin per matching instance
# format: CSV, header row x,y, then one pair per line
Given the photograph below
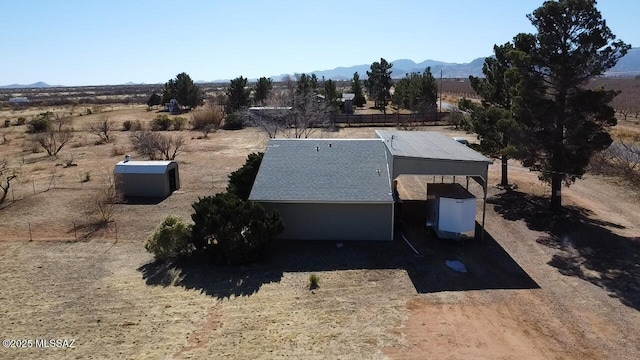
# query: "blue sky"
x,y
94,42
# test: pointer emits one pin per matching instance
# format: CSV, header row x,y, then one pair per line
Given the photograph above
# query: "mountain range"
x,y
629,65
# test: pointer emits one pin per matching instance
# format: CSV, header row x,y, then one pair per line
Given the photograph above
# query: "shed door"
x,y
172,180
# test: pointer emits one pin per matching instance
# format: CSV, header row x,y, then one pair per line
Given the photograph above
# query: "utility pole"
x,y
440,91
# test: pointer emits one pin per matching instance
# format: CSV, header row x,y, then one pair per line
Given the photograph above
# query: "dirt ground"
x,y
538,287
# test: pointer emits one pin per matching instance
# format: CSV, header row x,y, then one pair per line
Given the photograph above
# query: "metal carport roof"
x,y
433,153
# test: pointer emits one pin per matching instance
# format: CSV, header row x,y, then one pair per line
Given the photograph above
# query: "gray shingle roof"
x,y
323,170
428,145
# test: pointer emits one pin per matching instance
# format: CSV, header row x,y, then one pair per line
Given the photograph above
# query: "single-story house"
x,y
156,179
341,189
327,189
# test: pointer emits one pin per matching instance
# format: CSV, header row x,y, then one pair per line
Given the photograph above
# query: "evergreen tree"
x,y
263,89
564,123
154,100
356,88
183,89
493,121
379,83
237,95
416,92
331,95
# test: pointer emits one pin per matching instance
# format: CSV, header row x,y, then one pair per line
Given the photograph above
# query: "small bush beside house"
x,y
171,239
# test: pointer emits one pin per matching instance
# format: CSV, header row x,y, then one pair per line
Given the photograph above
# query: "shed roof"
x,y
142,167
428,145
323,170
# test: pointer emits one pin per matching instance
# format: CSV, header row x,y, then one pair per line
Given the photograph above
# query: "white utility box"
x,y
451,210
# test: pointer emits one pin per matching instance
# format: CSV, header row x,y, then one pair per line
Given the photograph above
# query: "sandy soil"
x,y
541,290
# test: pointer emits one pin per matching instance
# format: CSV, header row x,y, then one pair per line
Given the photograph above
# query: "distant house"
x,y
347,103
18,100
154,179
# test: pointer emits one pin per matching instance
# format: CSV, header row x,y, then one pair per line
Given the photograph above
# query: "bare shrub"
x,y
6,176
143,142
169,146
621,159
53,140
61,121
270,121
103,128
291,114
154,145
105,201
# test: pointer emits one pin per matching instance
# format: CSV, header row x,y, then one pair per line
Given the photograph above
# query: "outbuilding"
x,y
155,179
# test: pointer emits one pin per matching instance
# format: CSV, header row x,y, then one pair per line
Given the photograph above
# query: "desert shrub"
x,y
621,159
233,121
144,142
179,123
53,141
105,201
103,128
40,123
241,180
118,150
129,125
152,144
234,231
206,120
170,239
161,123
314,281
456,119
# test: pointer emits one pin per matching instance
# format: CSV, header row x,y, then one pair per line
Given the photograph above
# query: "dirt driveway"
x,y
549,288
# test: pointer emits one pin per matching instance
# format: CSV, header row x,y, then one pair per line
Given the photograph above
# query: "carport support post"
x,y
484,209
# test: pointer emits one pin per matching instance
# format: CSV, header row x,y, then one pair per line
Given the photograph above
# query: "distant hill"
x,y
629,65
39,84
402,67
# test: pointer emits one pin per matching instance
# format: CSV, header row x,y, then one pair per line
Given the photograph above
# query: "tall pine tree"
x,y
564,122
493,121
356,88
379,83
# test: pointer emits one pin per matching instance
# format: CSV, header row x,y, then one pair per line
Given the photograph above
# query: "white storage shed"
x,y
157,179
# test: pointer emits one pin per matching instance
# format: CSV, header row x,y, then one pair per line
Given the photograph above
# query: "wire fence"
x,y
25,227
23,188
67,231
